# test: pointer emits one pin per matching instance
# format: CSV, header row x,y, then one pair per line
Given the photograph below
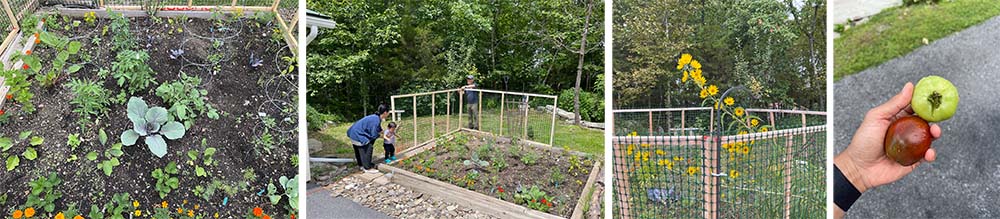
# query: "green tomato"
x,y
935,99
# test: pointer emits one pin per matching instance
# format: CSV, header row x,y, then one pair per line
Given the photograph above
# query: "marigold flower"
x,y
180,211
135,204
9,96
549,204
2,112
257,211
216,214
60,216
163,204
30,212
266,217
78,217
729,101
138,213
190,213
544,201
26,67
17,214
196,206
500,189
293,216
27,52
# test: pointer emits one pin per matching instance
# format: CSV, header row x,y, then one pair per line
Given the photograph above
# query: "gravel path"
x,y
394,200
964,182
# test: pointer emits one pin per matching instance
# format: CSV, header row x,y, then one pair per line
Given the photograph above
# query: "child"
x,y
389,143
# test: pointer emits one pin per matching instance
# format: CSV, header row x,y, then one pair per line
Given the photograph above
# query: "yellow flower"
x,y
695,64
746,150
700,80
216,214
716,105
638,157
60,216
138,213
703,94
754,122
684,60
738,111
713,90
633,134
670,165
729,101
196,207
692,170
28,213
78,217
644,145
763,129
743,132
660,152
180,211
135,204
685,78
163,204
190,213
645,156
630,147
678,158
660,162
734,174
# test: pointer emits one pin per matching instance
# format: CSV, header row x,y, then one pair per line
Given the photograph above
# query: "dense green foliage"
x,y
773,48
380,48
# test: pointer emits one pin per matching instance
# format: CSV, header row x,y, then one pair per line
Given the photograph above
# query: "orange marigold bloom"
x,y
17,214
26,67
190,213
30,212
257,212
27,52
60,216
266,217
78,217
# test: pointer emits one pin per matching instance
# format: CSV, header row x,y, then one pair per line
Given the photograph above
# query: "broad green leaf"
x,y
102,136
199,171
173,182
36,141
73,68
30,153
73,47
156,145
129,137
192,154
61,58
24,135
173,130
12,162
92,156
136,107
116,151
209,152
156,115
106,167
5,144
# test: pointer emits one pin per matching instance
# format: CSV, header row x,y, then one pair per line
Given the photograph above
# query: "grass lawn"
x,y
897,31
336,143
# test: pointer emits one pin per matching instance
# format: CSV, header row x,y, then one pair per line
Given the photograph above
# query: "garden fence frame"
x,y
711,142
11,21
452,128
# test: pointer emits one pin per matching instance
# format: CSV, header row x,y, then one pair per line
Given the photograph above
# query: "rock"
x,y
452,208
315,145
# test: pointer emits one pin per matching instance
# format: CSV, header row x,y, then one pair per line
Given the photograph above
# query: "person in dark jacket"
x,y
471,101
363,134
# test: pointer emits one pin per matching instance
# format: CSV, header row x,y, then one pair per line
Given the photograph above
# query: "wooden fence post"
x,y
433,121
503,98
552,126
415,142
527,106
10,14
447,122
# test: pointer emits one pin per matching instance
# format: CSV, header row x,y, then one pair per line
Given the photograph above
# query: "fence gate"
x,y
679,163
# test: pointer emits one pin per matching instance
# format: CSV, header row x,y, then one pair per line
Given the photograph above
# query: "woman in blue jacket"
x,y
363,134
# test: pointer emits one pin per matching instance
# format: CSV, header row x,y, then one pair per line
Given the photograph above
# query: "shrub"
x,y
591,104
90,98
131,70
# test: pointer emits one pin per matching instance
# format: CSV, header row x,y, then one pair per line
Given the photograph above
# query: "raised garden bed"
x,y
238,97
544,179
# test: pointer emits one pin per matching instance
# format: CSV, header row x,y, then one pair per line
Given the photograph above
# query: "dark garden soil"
x,y
445,162
237,90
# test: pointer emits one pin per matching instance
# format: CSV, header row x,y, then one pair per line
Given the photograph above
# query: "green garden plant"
x,y
20,86
131,71
44,193
186,100
165,179
290,187
91,99
534,198
153,124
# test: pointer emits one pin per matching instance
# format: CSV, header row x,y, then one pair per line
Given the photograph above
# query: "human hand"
x,y
864,162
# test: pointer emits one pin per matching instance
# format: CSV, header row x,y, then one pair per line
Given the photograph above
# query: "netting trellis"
x,y
679,163
422,117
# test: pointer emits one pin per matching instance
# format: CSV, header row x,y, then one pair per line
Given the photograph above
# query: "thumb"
x,y
897,103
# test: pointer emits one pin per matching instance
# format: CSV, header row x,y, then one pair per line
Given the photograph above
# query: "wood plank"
x,y
583,199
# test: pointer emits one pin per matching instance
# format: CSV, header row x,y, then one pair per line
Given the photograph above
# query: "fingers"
x,y
930,155
898,103
935,131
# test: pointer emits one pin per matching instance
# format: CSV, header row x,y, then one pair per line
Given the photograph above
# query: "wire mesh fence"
x,y
422,117
678,163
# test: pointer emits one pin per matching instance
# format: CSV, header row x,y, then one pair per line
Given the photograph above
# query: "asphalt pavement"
x,y
964,182
322,205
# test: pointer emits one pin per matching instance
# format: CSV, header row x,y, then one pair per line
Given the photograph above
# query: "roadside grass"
x,y
896,31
